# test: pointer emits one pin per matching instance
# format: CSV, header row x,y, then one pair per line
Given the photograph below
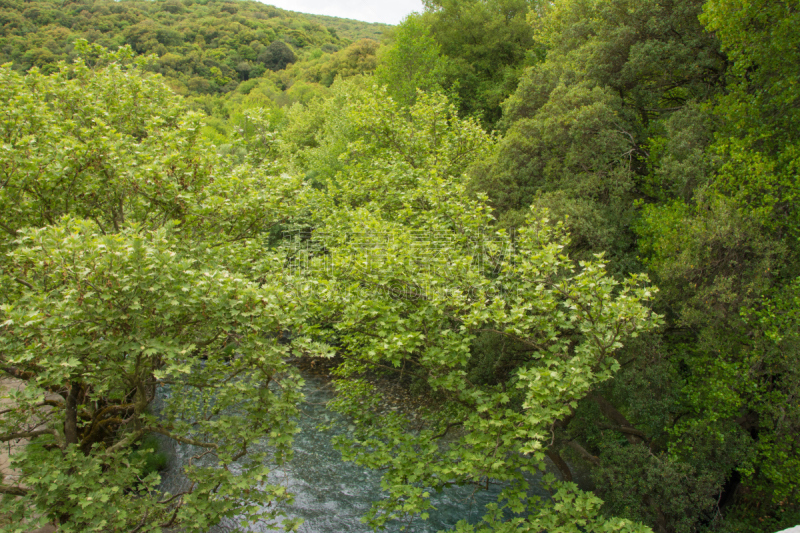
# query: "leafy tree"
x,y
100,325
761,108
573,157
277,56
725,256
412,62
122,274
582,124
488,42
411,274
191,39
631,87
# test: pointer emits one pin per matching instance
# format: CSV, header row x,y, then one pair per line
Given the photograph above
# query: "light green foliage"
x,y
573,511
359,58
350,29
127,250
412,62
361,131
107,147
761,107
302,82
413,272
107,321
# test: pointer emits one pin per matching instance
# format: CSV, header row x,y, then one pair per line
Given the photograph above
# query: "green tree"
x,y
412,62
99,325
762,121
726,256
126,250
582,125
277,56
410,273
488,42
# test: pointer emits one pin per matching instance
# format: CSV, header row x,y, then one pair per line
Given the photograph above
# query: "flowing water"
x,y
332,495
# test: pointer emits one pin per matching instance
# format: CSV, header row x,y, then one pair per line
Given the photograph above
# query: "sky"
x,y
388,11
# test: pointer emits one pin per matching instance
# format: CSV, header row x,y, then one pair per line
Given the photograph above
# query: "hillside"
x,y
352,30
203,47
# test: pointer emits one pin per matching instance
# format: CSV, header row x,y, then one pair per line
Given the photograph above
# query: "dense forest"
x,y
570,227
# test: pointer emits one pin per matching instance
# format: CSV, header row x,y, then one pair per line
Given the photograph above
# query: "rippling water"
x,y
331,495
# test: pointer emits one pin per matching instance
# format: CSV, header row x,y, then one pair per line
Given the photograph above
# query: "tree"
x,y
581,124
411,276
487,43
614,132
277,56
100,325
412,62
762,121
124,280
726,258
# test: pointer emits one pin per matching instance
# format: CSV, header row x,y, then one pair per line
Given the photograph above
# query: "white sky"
x,y
388,11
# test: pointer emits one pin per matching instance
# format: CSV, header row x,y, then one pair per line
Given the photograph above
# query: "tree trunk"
x,y
71,415
611,412
563,467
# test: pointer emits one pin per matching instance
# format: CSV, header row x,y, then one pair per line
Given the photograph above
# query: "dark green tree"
x,y
277,56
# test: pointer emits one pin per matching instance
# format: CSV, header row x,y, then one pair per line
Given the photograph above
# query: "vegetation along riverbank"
x,y
566,232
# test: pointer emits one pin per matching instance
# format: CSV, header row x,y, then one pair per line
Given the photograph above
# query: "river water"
x,y
332,495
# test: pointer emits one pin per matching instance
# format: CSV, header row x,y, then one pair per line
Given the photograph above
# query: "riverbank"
x,y
9,475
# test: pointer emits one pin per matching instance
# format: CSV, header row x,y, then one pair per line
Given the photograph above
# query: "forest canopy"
x,y
569,226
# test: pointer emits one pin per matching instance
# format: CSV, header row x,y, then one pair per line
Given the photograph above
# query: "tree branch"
x,y
23,282
26,434
15,372
11,231
563,467
184,440
611,412
626,430
448,428
14,491
583,453
124,443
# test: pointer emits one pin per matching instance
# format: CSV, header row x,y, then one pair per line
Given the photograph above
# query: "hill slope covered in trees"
x,y
202,47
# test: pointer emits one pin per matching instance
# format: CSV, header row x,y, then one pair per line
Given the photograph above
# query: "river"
x,y
332,495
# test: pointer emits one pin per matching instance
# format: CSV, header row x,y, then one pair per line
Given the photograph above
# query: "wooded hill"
x,y
203,47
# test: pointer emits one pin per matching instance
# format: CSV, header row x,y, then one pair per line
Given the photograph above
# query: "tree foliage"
x,y
351,204
413,275
487,43
203,47
122,284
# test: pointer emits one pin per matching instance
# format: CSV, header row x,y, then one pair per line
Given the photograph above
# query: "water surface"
x,y
332,495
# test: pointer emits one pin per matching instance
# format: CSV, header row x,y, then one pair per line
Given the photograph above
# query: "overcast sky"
x,y
388,11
